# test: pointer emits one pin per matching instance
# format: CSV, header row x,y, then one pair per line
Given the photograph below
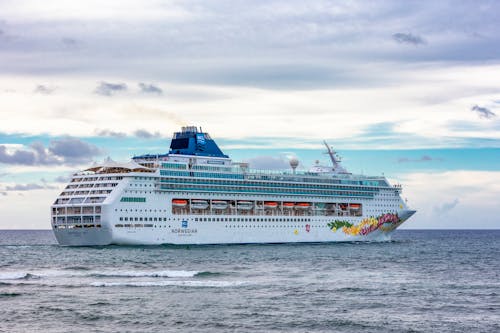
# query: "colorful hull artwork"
x,y
386,222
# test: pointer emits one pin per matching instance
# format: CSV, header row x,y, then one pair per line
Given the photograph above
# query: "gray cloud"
x,y
483,112
408,38
44,90
269,162
109,89
144,134
3,193
150,89
110,133
317,46
73,149
424,158
446,207
69,41
62,179
61,151
28,187
17,157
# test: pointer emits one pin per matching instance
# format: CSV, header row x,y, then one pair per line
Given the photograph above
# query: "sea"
x,y
421,281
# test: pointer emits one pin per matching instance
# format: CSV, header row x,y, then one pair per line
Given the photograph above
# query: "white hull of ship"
x,y
186,231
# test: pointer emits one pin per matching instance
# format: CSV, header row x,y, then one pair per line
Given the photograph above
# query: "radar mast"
x,y
333,155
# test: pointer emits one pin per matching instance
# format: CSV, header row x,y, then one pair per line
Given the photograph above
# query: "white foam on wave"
x,y
167,283
170,274
14,275
18,275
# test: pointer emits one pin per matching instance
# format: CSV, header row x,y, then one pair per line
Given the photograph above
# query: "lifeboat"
x,y
270,204
288,205
343,206
355,206
219,204
302,205
245,205
199,204
179,203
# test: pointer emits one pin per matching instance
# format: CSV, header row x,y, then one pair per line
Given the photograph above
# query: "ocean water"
x,y
422,281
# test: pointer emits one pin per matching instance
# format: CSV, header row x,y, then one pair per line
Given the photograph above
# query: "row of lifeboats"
x,y
247,205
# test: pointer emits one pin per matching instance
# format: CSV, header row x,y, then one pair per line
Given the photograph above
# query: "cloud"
x,y
269,162
140,133
28,187
483,112
44,90
408,38
62,179
144,134
150,89
110,133
109,89
60,151
446,207
17,157
73,149
3,193
69,41
424,158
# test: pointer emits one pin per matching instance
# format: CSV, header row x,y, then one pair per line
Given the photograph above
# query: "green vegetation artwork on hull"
x,y
385,222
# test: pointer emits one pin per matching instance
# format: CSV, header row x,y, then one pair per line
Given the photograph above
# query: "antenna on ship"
x,y
333,155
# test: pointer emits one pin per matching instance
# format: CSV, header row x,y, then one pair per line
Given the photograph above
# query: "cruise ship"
x,y
195,194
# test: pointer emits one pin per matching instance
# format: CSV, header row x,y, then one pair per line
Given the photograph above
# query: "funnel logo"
x,y
200,139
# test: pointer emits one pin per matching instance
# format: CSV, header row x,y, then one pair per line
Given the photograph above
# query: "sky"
x,y
408,89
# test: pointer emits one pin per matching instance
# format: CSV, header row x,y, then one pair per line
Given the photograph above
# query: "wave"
x,y
80,271
76,268
168,283
170,274
5,295
17,276
208,274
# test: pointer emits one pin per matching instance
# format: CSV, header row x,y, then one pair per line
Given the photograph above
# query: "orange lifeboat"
x,y
355,206
302,205
270,204
288,205
179,203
